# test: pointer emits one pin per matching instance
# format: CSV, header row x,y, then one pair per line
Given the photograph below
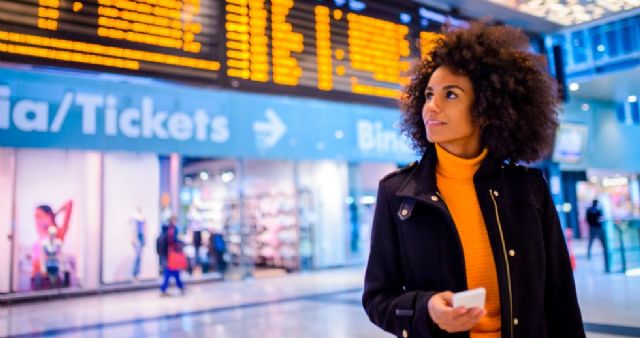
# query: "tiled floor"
x,y
321,304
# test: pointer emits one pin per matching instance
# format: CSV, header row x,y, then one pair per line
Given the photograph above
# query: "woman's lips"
x,y
434,123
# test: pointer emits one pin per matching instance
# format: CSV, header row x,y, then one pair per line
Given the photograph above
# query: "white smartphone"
x,y
470,298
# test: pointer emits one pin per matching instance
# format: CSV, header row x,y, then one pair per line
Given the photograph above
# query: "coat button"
x,y
512,253
405,334
515,321
434,198
496,193
404,212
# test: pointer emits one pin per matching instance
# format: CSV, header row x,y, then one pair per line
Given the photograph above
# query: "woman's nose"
x,y
430,106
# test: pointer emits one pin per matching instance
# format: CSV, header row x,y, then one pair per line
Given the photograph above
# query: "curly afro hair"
x,y
515,97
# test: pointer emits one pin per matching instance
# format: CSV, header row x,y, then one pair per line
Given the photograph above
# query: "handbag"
x,y
177,260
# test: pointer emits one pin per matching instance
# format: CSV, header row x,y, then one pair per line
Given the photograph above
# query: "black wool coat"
x,y
416,252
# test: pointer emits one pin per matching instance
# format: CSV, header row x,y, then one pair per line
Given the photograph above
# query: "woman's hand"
x,y
449,319
65,207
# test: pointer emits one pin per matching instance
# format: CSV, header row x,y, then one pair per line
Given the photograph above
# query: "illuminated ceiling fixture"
x,y
569,12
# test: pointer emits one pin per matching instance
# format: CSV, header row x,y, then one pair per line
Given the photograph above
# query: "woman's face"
x,y
43,219
447,113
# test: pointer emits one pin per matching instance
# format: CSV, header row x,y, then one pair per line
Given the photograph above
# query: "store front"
x,y
598,161
279,215
618,197
60,198
256,187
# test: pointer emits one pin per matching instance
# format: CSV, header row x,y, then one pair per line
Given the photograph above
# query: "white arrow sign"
x,y
269,132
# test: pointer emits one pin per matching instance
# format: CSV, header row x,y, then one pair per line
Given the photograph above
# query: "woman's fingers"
x,y
470,320
447,296
452,319
440,309
462,322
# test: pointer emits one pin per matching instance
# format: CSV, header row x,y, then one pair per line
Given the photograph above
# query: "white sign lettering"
x,y
132,122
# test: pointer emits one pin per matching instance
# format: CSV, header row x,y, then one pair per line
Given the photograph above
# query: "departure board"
x,y
315,47
166,38
352,50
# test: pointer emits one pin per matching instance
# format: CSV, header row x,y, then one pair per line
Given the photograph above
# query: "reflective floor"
x,y
320,304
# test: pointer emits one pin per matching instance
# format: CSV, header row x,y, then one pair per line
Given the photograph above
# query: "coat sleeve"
x,y
561,308
385,300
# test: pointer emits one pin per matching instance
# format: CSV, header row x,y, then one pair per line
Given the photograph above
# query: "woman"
x,y
172,259
466,216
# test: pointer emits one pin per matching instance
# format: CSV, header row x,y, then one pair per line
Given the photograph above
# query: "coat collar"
x,y
421,183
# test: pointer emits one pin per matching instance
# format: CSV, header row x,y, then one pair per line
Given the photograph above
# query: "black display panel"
x,y
166,38
350,50
336,49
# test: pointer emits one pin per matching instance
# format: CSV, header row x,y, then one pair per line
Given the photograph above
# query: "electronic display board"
x,y
354,50
332,47
165,38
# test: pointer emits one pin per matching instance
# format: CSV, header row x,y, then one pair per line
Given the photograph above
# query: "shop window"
x,y
57,222
325,229
216,239
7,179
271,216
131,217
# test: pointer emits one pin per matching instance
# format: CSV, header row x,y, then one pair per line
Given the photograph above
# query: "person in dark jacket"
x,y
468,215
594,219
167,242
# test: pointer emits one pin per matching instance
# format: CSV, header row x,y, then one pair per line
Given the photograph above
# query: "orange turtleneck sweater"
x,y
454,178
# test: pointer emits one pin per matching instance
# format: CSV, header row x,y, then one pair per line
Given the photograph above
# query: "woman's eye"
x,y
428,96
451,95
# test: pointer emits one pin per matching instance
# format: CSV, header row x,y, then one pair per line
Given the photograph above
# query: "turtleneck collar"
x,y
452,166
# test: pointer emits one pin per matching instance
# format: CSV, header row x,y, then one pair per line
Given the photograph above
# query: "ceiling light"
x,y
600,48
585,107
573,86
204,175
227,176
566,12
615,181
632,99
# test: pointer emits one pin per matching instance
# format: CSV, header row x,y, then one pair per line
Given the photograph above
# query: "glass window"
x,y
611,43
323,190
597,43
578,47
270,214
57,218
628,37
210,205
7,178
131,216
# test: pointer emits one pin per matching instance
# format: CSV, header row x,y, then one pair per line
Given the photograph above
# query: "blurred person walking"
x,y
594,218
172,258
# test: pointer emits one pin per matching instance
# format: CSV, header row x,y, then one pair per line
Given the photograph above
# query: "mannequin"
x,y
51,249
195,225
138,226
